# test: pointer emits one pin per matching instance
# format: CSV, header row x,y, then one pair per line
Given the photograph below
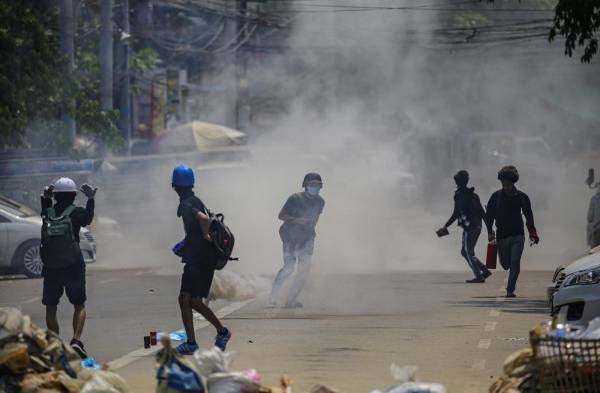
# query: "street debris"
x,y
210,372
36,360
175,374
562,358
407,382
520,374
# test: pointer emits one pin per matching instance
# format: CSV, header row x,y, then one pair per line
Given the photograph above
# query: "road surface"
x,y
350,331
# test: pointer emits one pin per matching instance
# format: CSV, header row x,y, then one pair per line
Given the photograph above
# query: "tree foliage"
x,y
578,22
35,91
29,87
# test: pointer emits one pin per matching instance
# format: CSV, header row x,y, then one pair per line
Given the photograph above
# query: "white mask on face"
x,y
313,190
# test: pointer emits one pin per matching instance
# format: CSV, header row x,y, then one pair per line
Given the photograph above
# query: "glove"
x,y
48,191
178,248
88,191
533,236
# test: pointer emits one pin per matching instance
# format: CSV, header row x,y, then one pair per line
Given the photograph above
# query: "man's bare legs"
x,y
51,319
187,304
79,316
187,316
207,313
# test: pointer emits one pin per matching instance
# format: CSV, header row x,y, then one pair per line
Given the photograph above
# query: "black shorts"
x,y
196,280
70,279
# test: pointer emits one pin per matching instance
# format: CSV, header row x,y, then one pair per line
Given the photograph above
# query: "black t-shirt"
x,y
302,205
197,250
508,211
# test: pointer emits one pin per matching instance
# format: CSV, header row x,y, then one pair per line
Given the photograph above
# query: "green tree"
x,y
35,92
29,87
578,22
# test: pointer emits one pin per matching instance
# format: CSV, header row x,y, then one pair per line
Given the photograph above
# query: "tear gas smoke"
x,y
373,87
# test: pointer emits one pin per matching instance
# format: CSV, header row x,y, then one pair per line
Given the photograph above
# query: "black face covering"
x,y
183,192
65,198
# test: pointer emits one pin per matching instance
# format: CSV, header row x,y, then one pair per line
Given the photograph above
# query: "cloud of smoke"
x,y
383,112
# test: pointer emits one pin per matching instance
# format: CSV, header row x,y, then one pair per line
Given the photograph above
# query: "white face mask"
x,y
313,190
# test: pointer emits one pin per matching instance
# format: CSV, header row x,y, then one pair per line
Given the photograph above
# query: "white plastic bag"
x,y
212,361
98,385
230,383
407,377
403,374
416,387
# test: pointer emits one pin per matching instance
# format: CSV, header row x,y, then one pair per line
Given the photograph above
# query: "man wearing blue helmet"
x,y
199,256
299,215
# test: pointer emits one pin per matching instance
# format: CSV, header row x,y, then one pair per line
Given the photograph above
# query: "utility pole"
x,y
242,103
230,67
67,47
106,55
124,78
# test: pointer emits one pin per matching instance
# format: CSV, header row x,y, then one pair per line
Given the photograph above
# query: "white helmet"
x,y
64,184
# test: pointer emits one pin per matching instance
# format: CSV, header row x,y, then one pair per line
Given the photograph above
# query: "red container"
x,y
152,338
492,255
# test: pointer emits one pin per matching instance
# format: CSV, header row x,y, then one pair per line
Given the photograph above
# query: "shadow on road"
x,y
516,305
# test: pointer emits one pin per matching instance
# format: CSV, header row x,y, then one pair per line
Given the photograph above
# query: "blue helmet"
x,y
183,176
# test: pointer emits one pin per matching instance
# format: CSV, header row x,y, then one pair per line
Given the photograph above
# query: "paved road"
x,y
350,331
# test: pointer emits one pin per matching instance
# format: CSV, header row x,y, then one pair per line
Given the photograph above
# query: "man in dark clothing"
x,y
199,256
64,270
469,213
506,207
300,215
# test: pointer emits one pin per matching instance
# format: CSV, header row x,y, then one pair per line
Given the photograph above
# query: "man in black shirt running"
x,y
507,207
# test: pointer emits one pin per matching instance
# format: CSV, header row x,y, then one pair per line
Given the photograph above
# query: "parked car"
x,y
575,293
20,237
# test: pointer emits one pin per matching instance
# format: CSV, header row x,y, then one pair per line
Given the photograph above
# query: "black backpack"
x,y
59,246
223,239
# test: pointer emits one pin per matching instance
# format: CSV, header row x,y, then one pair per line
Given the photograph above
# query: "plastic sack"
x,y
98,385
174,373
403,374
252,375
416,387
113,379
212,361
407,377
230,383
90,363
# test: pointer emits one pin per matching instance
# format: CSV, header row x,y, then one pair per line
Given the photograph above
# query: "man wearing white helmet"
x,y
64,268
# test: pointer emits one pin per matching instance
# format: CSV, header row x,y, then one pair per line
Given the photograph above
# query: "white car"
x,y
20,236
576,294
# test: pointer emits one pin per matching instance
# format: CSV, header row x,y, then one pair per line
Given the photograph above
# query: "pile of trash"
x,y
522,371
36,360
209,371
520,374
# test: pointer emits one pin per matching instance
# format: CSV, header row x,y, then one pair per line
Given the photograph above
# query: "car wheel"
x,y
27,259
